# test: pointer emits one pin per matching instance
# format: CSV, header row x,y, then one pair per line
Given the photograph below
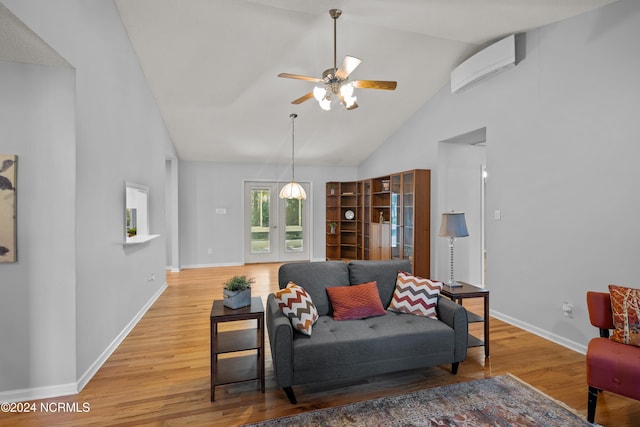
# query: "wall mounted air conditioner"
x,y
490,61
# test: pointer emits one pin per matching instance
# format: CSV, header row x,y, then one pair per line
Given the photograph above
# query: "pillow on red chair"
x,y
356,301
625,305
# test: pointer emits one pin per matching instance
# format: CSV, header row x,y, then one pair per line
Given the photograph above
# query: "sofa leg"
x,y
591,406
454,368
290,395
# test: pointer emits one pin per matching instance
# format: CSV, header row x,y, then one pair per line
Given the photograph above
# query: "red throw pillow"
x,y
625,305
356,301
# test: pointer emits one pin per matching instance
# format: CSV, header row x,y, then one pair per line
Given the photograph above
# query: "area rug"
x,y
500,401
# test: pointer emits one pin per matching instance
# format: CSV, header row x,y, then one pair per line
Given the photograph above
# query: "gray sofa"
x,y
359,348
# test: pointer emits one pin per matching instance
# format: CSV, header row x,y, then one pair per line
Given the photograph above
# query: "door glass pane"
x,y
293,241
408,216
260,229
367,219
395,217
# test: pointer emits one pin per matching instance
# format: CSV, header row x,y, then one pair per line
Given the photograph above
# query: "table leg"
x,y
486,325
214,359
261,351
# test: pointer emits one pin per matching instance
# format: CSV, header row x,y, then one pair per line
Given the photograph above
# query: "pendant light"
x,y
293,190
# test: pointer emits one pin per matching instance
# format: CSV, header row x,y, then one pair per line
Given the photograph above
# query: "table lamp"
x,y
453,225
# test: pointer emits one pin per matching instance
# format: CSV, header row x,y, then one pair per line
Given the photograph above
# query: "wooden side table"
x,y
467,290
239,368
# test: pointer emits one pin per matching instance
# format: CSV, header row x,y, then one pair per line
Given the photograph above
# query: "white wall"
x,y
37,293
562,150
205,186
120,137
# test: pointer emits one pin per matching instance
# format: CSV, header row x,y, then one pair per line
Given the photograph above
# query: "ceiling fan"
x,y
335,84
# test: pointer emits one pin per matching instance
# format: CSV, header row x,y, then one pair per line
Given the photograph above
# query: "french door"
x,y
276,230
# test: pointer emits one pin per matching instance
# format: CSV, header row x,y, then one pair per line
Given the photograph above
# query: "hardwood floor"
x,y
160,373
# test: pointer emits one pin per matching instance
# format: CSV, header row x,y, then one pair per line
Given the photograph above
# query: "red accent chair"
x,y
611,366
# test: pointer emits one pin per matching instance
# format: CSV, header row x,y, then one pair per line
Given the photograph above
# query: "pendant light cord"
x,y
293,117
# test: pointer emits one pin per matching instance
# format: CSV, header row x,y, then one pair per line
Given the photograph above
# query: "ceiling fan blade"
x,y
375,84
303,98
299,77
348,65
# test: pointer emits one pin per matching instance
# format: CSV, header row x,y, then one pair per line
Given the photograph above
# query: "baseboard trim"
x,y
571,345
230,264
26,394
221,264
93,369
21,395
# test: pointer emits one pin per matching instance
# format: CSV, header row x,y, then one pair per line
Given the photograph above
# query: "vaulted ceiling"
x,y
212,66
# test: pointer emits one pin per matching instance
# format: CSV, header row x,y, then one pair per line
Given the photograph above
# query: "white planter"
x,y
237,299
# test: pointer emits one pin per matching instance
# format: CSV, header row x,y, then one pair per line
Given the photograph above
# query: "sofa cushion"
x,y
625,305
392,338
384,273
297,305
355,301
315,278
415,295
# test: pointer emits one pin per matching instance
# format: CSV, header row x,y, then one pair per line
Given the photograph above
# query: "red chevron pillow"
x,y
415,295
296,304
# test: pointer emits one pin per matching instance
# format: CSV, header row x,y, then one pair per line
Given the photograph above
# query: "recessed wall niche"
x,y
136,215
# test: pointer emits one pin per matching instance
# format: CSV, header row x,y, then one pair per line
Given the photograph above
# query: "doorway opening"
x,y
462,187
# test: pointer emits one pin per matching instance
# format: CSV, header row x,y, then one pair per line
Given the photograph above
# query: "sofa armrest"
x,y
281,342
455,315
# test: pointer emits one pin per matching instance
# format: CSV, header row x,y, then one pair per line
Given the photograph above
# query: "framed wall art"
x,y
8,176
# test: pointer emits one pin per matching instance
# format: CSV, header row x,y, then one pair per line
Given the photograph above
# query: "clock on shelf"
x,y
349,214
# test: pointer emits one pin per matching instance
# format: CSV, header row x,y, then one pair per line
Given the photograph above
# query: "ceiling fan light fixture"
x,y
319,93
325,104
346,90
337,87
349,102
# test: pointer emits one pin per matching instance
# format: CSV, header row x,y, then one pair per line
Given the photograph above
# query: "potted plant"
x,y
332,227
237,292
332,189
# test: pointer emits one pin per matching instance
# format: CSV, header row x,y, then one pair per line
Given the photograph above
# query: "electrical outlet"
x,y
151,277
567,310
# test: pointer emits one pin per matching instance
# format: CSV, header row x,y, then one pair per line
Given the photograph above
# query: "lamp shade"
x,y
293,190
453,225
